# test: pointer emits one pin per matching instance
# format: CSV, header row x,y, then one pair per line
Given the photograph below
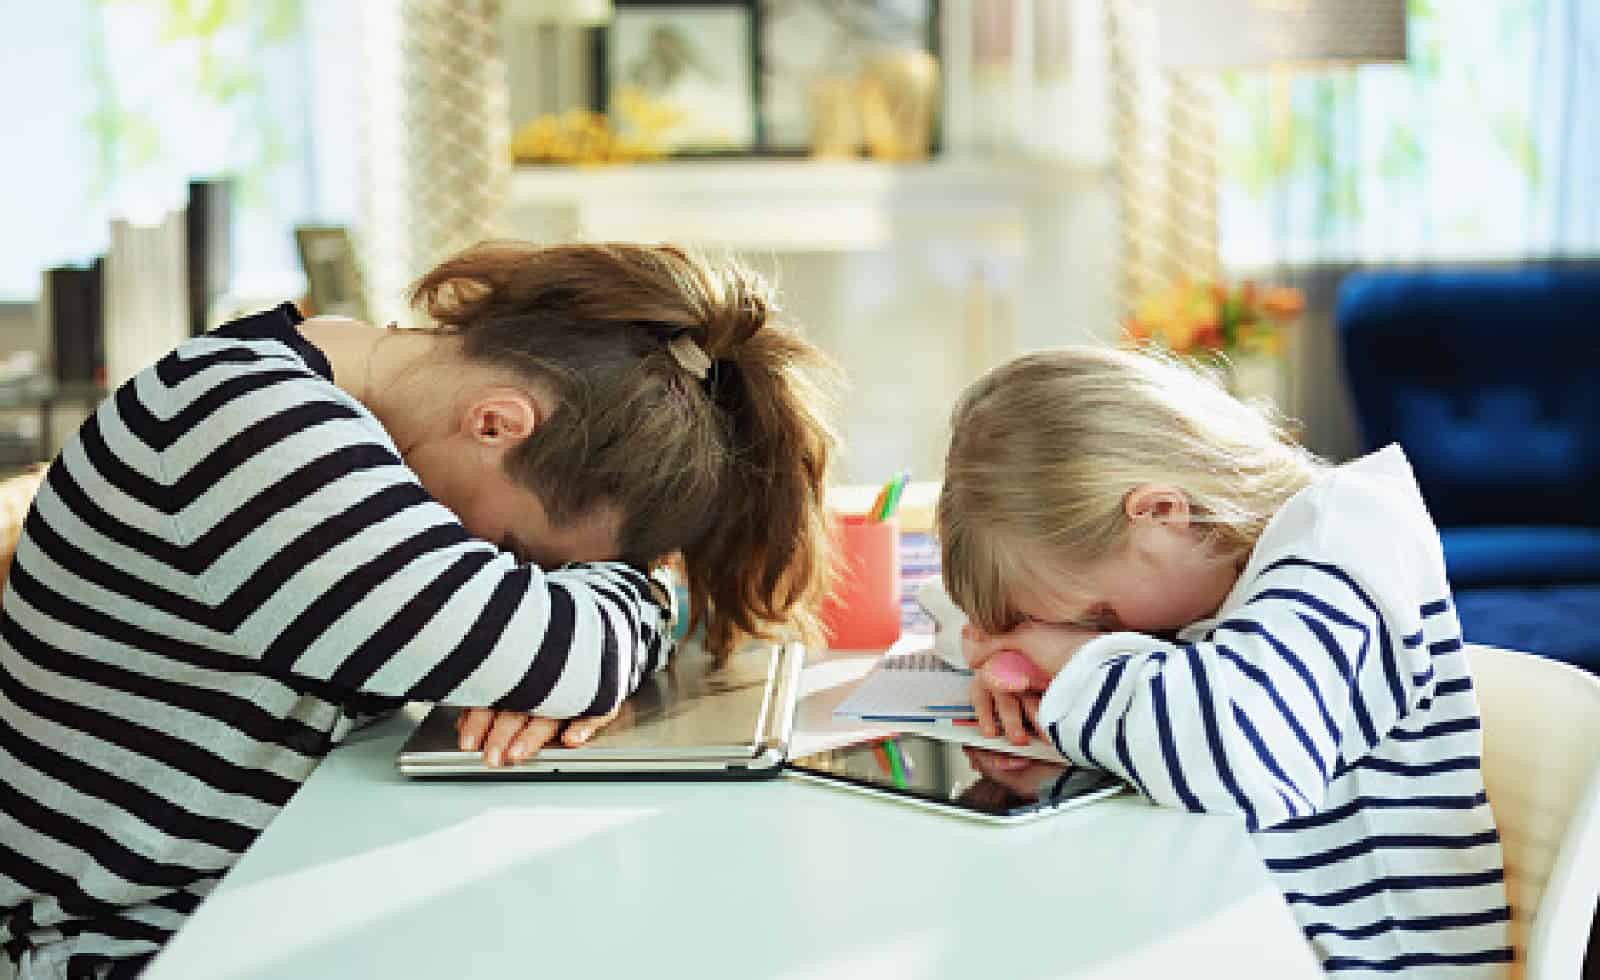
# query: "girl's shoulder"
x,y
1367,518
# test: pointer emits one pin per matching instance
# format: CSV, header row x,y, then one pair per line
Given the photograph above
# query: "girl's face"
x,y
1162,578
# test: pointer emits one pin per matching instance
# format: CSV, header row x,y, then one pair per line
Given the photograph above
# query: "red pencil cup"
x,y
863,610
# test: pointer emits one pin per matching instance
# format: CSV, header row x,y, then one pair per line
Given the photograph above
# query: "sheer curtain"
x,y
1484,145
116,104
1483,148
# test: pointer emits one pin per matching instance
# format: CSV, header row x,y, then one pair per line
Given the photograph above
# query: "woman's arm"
x,y
263,518
388,594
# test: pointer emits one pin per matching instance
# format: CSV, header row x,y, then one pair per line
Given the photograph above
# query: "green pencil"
x,y
897,486
897,769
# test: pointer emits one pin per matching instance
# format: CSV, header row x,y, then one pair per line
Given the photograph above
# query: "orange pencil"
x,y
878,502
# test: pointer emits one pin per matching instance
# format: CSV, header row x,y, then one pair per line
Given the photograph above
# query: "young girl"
x,y
1232,626
284,527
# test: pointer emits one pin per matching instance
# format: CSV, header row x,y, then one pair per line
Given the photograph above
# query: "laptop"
x,y
693,719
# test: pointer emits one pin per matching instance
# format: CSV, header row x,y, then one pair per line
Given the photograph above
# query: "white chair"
x,y
1541,764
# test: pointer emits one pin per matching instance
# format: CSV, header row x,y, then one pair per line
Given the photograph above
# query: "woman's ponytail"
x,y
683,404
766,559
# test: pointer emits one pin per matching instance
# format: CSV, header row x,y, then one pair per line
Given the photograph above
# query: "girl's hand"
x,y
515,736
1045,648
1000,713
1011,671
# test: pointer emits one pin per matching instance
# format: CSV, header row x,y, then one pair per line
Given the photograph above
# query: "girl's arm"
x,y
1301,682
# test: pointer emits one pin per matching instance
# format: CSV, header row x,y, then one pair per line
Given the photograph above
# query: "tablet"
x,y
937,775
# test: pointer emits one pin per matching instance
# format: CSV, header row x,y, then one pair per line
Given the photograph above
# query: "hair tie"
x,y
689,355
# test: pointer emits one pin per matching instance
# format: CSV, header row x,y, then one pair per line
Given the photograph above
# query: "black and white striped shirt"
x,y
1330,705
226,569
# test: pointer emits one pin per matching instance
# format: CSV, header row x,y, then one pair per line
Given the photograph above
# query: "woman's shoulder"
x,y
256,373
272,333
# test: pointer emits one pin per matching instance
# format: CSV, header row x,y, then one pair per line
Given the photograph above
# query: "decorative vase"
x,y
899,89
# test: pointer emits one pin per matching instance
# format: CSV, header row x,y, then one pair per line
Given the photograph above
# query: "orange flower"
x,y
1209,335
1283,303
1205,317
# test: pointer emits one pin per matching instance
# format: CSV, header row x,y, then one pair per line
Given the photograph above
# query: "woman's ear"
x,y
501,418
1156,504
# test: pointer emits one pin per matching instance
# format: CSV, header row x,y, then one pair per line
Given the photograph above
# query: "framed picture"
x,y
803,44
682,75
328,257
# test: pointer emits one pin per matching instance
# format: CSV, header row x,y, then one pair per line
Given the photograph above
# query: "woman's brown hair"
x,y
729,471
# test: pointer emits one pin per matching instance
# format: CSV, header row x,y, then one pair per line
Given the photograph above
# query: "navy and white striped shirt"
x,y
226,569
1329,704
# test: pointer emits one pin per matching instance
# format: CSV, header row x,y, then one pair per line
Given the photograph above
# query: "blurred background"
x,y
935,184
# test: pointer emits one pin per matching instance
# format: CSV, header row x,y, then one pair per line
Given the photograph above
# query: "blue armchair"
x,y
1490,381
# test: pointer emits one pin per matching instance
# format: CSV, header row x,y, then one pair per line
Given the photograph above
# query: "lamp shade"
x,y
1220,34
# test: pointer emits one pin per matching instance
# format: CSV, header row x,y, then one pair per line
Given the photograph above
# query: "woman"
x,y
286,527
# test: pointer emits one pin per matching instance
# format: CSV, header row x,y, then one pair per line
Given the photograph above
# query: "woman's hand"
x,y
515,736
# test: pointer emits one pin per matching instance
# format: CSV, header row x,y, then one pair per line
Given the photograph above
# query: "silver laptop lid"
x,y
693,717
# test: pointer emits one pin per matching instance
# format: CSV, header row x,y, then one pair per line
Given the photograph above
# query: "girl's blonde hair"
x,y
1045,449
728,471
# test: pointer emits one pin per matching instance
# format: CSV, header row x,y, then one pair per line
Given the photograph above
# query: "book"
x,y
208,222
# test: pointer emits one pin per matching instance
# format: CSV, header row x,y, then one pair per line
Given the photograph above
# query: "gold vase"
x,y
899,90
836,118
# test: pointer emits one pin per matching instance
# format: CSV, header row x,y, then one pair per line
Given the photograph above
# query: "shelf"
x,y
791,204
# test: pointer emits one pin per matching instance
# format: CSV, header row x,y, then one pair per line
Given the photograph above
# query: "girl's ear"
x,y
501,418
1156,504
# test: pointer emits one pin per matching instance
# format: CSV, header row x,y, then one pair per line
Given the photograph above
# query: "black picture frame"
x,y
698,31
848,29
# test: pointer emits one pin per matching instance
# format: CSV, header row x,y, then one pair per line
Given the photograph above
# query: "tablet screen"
x,y
944,774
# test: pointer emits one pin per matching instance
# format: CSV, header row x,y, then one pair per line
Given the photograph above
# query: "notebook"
x,y
918,691
691,720
910,687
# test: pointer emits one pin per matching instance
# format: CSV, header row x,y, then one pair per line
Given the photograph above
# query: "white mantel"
x,y
794,205
915,276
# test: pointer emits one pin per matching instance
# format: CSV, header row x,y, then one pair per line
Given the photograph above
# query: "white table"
x,y
366,874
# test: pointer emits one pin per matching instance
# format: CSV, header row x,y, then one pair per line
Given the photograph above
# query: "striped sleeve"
x,y
1298,682
243,506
